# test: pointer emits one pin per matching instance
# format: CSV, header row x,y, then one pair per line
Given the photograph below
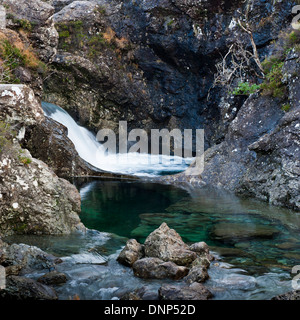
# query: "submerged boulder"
x,y
232,232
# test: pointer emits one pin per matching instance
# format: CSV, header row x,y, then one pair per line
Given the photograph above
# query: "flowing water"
x,y
255,244
132,163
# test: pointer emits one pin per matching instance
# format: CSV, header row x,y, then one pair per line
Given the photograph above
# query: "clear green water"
x,y
256,245
249,234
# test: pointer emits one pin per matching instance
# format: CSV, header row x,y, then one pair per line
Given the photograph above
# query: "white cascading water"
x,y
93,152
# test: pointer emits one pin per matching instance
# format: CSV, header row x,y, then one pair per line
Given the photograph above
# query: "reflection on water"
x,y
258,244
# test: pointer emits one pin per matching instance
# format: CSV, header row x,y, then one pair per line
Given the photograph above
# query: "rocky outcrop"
x,y
48,141
292,295
165,256
33,199
35,15
260,154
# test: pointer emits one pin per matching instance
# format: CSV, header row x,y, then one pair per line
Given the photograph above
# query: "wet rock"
x,y
197,274
154,268
195,291
233,232
53,278
200,248
20,288
166,244
27,258
292,295
131,253
143,293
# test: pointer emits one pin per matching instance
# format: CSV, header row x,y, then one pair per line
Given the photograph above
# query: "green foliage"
x,y
286,107
244,88
272,84
25,24
25,160
64,34
21,23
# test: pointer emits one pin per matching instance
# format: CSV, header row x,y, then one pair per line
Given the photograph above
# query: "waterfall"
x,y
93,152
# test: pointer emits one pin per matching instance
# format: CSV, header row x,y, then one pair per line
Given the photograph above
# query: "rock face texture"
x,y
33,199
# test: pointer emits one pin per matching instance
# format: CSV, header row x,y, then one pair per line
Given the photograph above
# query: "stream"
x,y
255,245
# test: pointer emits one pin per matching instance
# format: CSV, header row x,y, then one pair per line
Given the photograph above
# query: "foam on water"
x,y
134,163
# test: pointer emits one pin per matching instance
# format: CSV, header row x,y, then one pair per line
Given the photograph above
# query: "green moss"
x,y
6,136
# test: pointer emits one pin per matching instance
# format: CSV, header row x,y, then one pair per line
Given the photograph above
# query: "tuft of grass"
x,y
244,88
25,160
286,107
273,84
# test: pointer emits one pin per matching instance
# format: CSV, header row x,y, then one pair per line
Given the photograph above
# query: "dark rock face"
x,y
21,288
275,175
155,64
195,291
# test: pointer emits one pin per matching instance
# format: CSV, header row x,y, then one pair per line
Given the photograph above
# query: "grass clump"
x,y
245,88
273,84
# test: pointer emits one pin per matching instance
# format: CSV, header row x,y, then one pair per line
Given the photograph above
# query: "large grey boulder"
x,y
166,244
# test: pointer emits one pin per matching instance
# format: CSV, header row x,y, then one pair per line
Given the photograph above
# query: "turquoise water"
x,y
249,234
255,245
